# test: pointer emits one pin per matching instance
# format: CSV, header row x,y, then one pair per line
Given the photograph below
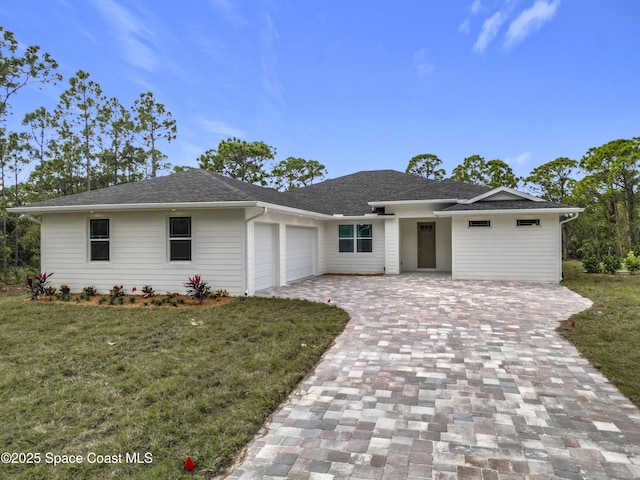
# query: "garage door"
x,y
300,252
263,261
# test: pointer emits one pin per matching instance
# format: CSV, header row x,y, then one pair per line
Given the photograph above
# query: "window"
x,y
479,223
365,238
180,238
99,239
345,238
528,223
358,238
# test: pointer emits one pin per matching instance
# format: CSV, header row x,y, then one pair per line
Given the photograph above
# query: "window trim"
x,y
528,222
180,238
479,224
94,240
355,239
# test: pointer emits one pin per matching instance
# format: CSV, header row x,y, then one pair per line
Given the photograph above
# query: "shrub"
x,y
117,291
591,264
147,291
65,291
632,262
197,288
132,299
220,294
90,291
611,263
38,284
50,291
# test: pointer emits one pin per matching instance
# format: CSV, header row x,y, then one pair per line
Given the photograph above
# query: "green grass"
x,y
608,334
76,379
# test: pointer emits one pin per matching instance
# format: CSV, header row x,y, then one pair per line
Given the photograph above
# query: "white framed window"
x,y
479,223
99,239
179,238
528,222
355,238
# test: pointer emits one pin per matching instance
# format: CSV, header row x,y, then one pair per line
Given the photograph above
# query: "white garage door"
x,y
263,261
300,252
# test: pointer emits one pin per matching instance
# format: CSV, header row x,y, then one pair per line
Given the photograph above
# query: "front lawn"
x,y
149,385
608,334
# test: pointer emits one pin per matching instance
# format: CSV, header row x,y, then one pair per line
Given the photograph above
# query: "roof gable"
x,y
503,194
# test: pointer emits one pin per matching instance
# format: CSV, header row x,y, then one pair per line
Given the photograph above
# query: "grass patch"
x,y
608,334
170,382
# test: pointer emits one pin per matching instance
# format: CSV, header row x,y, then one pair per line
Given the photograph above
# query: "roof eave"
x,y
130,207
511,211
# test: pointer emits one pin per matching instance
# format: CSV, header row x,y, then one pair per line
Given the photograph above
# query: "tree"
x,y
116,143
553,180
40,123
615,167
81,108
296,172
426,165
477,171
19,71
153,123
238,159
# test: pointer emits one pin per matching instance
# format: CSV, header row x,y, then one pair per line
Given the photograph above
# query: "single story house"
x,y
245,238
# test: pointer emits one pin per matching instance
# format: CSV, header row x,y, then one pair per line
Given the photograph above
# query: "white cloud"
x,y
270,80
520,160
422,63
489,31
476,6
228,9
132,33
220,128
530,20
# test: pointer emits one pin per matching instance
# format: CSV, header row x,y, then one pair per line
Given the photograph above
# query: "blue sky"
x,y
357,85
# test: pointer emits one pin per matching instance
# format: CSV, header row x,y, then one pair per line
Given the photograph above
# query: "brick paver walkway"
x,y
448,380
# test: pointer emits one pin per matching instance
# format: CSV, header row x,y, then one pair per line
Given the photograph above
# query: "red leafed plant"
x,y
38,284
197,288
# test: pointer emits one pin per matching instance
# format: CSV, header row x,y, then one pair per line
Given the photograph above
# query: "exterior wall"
x,y
392,246
363,263
409,244
505,251
139,251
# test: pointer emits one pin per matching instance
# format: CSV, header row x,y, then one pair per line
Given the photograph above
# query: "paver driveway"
x,y
448,380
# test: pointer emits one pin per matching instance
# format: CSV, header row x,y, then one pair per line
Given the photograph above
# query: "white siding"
x,y
506,252
363,263
392,250
139,251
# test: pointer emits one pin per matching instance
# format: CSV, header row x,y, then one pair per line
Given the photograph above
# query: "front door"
x,y
427,245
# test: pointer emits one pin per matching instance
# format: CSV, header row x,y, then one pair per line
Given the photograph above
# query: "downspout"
x,y
246,265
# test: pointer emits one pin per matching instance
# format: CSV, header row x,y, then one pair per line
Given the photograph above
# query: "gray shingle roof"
x,y
347,195
188,186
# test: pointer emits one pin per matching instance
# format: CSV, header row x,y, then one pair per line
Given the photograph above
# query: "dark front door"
x,y
427,245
